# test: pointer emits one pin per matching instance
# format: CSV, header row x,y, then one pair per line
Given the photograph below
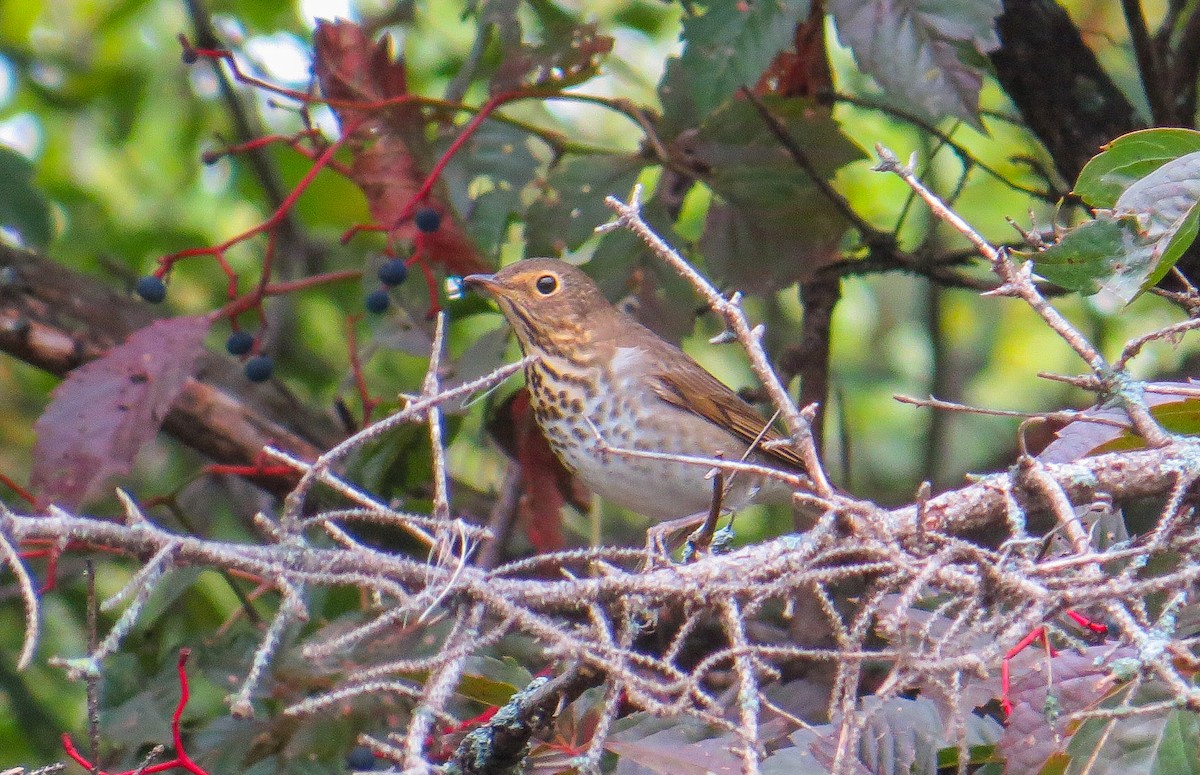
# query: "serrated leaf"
x,y
571,205
672,751
1087,256
624,267
762,250
105,411
1128,159
912,48
731,44
565,59
1163,743
737,137
23,207
1076,681
793,760
1165,206
485,180
775,226
901,736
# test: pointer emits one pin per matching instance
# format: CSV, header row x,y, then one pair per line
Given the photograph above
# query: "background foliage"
x,y
102,133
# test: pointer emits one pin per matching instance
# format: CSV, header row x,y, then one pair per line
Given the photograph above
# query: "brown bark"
x,y
56,319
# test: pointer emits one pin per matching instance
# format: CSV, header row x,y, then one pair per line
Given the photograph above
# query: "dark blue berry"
x,y
239,343
151,288
360,758
427,219
393,272
259,368
378,301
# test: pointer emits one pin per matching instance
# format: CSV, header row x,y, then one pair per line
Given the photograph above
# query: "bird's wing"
x,y
699,392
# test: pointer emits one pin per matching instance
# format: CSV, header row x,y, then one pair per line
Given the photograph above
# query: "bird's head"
x,y
550,304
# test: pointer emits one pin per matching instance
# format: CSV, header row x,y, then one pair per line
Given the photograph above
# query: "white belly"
x,y
660,489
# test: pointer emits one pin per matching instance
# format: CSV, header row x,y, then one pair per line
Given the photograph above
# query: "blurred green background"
x,y
94,96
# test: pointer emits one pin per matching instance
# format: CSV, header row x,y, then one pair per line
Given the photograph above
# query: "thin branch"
x,y
11,558
1018,282
730,310
1153,81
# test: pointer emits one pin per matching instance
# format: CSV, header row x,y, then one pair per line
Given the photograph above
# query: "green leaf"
x,y
911,47
23,208
492,682
729,46
1086,256
976,755
1130,248
1130,158
1163,743
675,90
774,225
572,202
485,180
1165,205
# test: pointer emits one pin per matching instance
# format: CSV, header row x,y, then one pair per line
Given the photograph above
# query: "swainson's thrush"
x,y
598,374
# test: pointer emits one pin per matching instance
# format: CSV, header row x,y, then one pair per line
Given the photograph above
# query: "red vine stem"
x,y
182,759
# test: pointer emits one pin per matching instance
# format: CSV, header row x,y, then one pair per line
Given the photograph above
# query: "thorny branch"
x,y
934,607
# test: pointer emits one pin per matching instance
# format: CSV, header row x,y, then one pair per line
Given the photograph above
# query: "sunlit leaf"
x,y
912,48
729,45
1130,158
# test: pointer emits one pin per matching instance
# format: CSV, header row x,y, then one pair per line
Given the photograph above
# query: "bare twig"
x,y
11,558
730,310
1018,282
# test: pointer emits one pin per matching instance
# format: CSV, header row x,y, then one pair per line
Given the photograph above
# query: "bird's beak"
x,y
484,282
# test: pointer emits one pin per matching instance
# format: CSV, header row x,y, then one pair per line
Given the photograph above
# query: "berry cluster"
x,y
394,271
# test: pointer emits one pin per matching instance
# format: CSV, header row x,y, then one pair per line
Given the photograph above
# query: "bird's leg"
x,y
701,539
662,539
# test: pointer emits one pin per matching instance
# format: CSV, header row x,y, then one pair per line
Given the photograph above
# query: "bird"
x,y
600,381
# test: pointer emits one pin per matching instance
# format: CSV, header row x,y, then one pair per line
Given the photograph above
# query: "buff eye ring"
x,y
546,284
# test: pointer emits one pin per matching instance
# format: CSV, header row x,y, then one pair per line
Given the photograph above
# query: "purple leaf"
x,y
672,752
105,411
925,53
1076,681
1081,438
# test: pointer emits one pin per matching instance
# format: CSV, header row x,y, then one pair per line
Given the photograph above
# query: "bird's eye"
x,y
546,284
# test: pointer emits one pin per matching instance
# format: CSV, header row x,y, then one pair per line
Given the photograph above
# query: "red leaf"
x,y
804,72
1081,438
351,67
105,411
